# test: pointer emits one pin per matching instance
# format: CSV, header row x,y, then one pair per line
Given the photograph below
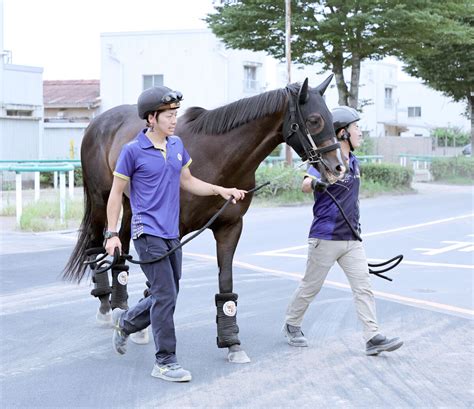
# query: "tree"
x,y
442,55
342,33
336,34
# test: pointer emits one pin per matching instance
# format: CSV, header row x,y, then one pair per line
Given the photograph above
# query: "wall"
x,y
390,147
58,138
192,61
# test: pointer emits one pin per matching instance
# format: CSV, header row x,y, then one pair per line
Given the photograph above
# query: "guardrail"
x,y
370,158
418,161
59,167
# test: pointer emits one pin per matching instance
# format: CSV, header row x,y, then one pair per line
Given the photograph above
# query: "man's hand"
x,y
319,186
110,245
225,192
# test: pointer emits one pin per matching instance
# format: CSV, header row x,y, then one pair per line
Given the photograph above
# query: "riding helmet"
x,y
157,99
343,116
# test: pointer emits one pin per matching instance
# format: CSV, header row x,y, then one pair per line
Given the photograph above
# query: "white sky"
x,y
63,36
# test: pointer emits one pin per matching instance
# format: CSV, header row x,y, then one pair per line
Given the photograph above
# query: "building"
x,y
194,62
69,106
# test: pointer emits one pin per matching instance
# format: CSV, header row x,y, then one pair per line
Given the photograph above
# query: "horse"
x,y
227,144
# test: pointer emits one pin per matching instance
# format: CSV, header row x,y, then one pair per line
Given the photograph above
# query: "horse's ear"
x,y
321,88
303,93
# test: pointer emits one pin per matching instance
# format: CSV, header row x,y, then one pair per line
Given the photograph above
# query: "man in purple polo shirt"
x,y
155,164
331,240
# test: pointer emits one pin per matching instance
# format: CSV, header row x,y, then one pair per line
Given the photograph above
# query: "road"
x,y
53,354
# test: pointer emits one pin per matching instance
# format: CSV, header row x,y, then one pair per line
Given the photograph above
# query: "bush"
x,y
447,168
386,174
283,179
450,137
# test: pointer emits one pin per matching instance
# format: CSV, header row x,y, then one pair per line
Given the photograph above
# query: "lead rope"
x,y
104,265
397,259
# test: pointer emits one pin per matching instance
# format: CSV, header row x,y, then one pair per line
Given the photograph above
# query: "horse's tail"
x,y
75,268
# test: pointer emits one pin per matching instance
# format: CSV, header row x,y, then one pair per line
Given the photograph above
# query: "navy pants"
x,y
158,308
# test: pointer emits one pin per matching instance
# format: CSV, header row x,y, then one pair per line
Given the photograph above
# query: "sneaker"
x,y
119,338
171,372
380,343
140,337
294,335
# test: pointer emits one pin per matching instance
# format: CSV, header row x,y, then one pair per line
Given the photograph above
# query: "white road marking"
x,y
397,298
455,246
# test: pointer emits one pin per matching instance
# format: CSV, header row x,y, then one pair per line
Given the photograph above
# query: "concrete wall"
x,y
390,147
63,140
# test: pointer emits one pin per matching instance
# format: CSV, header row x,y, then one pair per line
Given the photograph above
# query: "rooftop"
x,y
71,94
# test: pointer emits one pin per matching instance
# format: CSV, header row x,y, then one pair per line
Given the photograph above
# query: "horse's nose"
x,y
341,169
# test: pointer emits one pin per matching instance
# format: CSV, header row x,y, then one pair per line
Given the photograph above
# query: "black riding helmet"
x,y
157,99
343,116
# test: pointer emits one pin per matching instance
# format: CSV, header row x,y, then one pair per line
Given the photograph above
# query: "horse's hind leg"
x,y
102,289
227,237
120,270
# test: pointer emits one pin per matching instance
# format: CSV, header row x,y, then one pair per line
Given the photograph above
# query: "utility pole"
x,y
288,151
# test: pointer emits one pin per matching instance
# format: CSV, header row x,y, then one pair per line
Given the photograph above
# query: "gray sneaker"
x,y
119,338
171,372
294,336
380,343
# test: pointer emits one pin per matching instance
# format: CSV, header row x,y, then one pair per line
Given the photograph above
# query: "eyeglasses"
x,y
173,96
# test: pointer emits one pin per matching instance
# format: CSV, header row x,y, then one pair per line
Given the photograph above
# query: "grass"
x,y
44,215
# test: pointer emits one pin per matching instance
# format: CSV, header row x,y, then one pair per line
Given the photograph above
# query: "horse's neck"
x,y
256,140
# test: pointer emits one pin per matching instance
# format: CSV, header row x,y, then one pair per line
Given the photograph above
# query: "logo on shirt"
x,y
180,158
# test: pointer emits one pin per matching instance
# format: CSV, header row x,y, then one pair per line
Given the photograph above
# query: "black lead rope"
x,y
396,259
104,265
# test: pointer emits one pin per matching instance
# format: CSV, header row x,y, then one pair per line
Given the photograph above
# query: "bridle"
x,y
304,144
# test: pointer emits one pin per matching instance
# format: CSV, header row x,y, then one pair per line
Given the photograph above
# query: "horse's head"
x,y
308,129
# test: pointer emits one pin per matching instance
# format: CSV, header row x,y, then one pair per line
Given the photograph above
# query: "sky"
x,y
63,36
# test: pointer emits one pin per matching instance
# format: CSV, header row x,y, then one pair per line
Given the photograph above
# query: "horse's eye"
x,y
314,120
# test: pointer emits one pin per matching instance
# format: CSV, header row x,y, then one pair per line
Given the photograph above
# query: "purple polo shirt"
x,y
328,223
154,184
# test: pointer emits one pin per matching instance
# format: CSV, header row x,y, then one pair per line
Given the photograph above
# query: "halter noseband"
x,y
304,145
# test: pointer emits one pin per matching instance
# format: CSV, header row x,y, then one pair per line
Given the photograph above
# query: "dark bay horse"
x,y
227,145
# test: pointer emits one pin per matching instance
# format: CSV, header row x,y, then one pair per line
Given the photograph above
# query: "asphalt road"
x,y
53,355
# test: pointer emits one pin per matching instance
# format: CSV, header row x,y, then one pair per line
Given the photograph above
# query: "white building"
x,y
194,62
21,107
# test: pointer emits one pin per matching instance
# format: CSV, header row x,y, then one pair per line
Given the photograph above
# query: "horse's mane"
x,y
224,119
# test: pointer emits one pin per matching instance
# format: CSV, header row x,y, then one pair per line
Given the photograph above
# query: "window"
x,y
19,112
414,112
388,97
250,78
152,81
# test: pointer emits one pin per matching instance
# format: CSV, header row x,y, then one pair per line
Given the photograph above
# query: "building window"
x,y
388,97
19,112
250,78
414,112
152,81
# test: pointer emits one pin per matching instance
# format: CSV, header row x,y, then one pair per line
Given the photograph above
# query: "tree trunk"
x,y
355,76
342,90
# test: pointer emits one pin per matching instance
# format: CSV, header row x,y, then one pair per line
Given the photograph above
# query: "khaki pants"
x,y
350,255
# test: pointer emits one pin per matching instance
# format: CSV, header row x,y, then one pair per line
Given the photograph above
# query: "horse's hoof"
x,y
104,320
140,337
238,357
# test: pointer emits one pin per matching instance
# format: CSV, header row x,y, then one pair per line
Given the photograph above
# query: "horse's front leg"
x,y
227,237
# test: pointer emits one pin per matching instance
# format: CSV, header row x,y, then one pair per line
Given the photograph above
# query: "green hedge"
x,y
386,174
446,168
286,181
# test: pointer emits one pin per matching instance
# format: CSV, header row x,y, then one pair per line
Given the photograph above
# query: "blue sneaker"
x,y
119,338
380,343
171,372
